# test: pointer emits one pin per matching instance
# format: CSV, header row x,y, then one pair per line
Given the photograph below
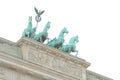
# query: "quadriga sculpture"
x,y
71,47
29,31
42,36
58,42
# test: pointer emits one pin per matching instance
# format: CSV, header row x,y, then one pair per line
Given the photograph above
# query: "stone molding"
x,y
53,59
26,67
50,50
28,59
41,61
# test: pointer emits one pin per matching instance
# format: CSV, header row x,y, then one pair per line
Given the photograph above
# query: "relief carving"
x,y
39,58
32,56
55,63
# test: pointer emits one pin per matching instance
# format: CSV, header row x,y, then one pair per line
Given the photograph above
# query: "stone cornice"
x,y
2,40
50,50
30,68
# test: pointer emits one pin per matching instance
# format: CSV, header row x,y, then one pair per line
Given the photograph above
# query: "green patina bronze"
x,y
29,31
42,36
33,32
71,47
58,42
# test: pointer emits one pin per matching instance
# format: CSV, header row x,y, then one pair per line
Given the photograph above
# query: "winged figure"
x,y
39,12
38,16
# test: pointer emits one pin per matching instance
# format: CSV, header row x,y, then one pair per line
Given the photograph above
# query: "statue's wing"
x,y
42,12
36,10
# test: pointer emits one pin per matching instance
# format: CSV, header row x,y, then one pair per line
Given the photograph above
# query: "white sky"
x,y
96,22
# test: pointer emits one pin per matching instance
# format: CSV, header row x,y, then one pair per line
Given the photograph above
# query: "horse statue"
x,y
71,47
42,36
29,31
33,32
57,42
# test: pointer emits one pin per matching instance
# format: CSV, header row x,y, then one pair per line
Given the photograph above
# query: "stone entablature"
x,y
53,59
12,68
10,48
34,58
30,60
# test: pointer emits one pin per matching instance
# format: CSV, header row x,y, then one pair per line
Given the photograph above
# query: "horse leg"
x,y
40,39
48,39
23,35
28,35
76,52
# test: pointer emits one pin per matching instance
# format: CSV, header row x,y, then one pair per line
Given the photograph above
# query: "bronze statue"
x,y
58,42
29,31
42,36
71,47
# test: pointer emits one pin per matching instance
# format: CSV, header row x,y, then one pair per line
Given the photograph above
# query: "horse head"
x,y
64,30
29,23
30,19
76,39
48,25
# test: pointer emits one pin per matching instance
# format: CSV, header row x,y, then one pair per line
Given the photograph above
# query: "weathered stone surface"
x,y
12,68
53,59
30,60
95,76
9,47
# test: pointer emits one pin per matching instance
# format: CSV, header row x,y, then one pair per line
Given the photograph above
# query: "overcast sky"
x,y
96,22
